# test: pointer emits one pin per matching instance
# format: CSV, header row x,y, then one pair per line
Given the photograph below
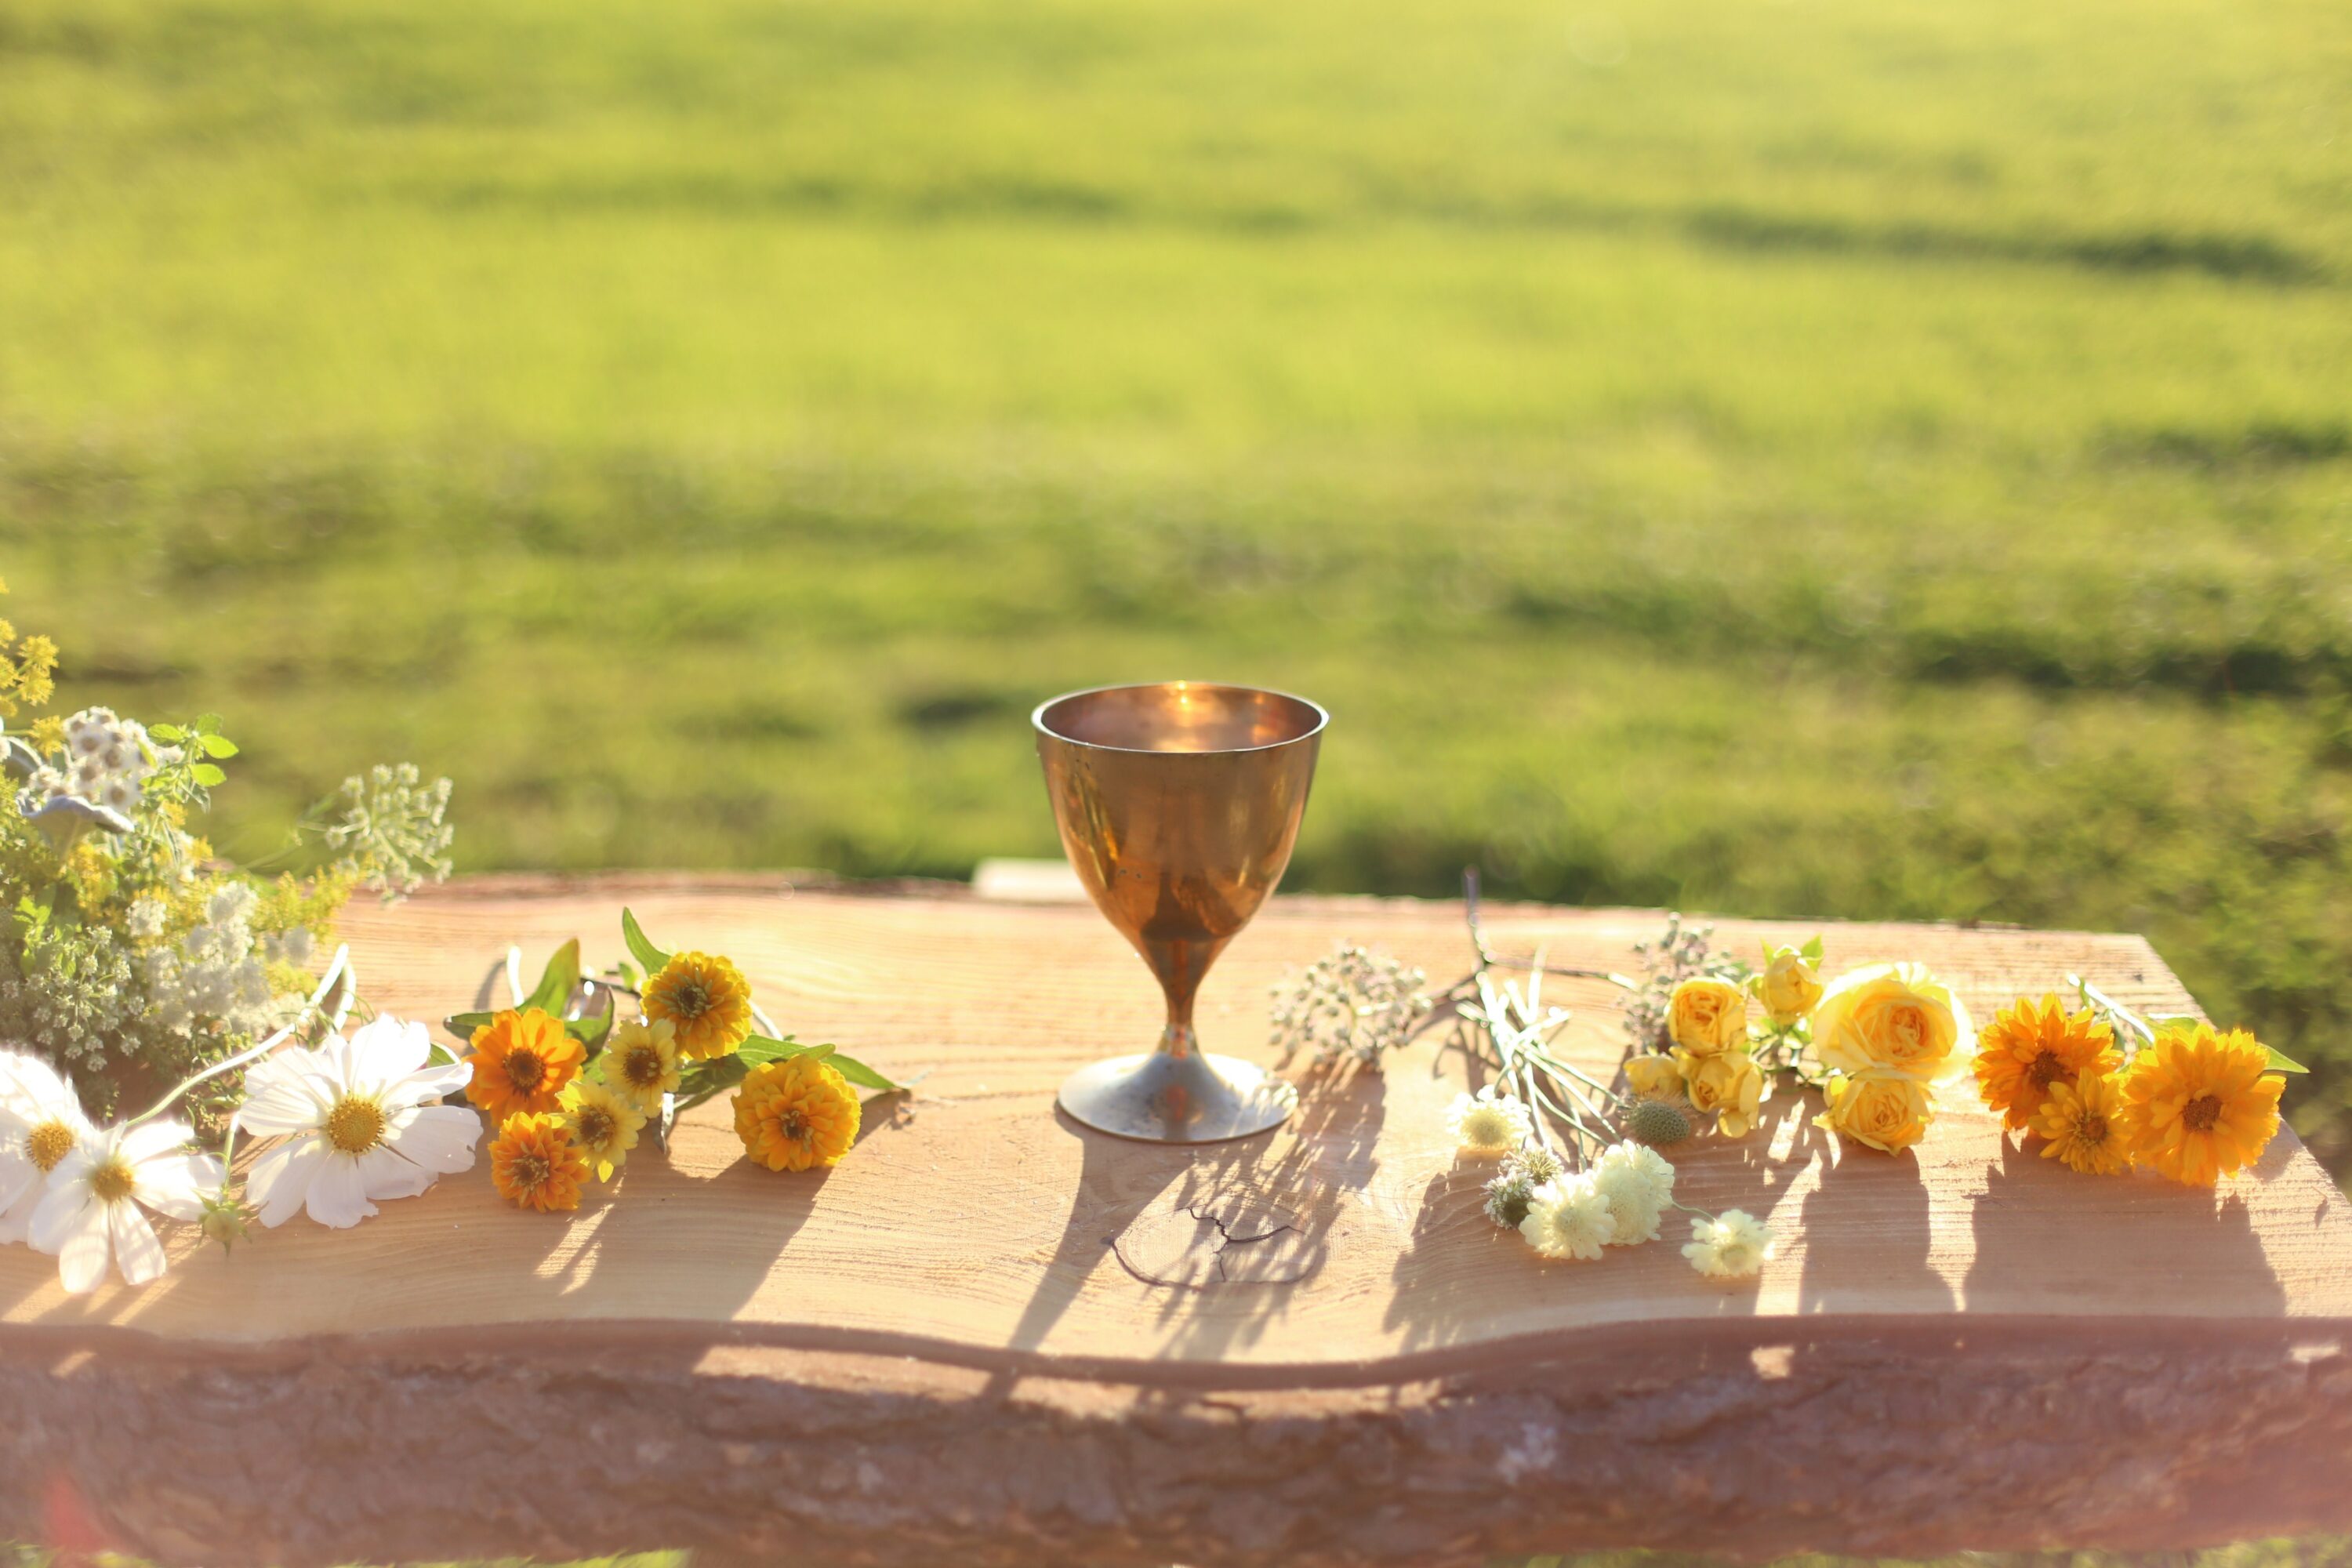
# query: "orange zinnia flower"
x,y
535,1164
795,1113
522,1063
2205,1104
706,999
2026,1048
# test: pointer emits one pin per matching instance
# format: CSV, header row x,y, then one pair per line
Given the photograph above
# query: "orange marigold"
x,y
2027,1048
707,1000
535,1164
522,1061
2205,1103
795,1113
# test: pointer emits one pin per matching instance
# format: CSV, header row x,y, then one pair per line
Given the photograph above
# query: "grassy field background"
x,y
1781,457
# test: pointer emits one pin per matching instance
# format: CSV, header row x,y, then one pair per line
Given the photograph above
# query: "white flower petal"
x,y
136,1251
337,1197
17,1205
385,1175
283,1094
82,1246
35,1093
280,1179
386,1048
440,1138
428,1085
57,1213
150,1140
177,1185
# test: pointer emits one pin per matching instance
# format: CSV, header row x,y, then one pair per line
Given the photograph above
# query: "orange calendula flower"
x,y
2087,1126
2029,1049
706,1000
2204,1104
522,1063
535,1164
795,1113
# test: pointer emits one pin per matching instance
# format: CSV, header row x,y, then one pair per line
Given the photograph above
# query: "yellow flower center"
x,y
596,1127
526,1070
46,1144
641,1067
2047,1070
689,999
2200,1114
529,1172
355,1125
114,1182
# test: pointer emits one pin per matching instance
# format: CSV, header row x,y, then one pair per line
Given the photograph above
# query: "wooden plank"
x,y
1148,1329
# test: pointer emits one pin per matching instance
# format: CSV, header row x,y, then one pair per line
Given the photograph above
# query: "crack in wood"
x,y
1198,1244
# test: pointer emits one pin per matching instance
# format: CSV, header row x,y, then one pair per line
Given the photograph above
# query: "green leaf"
x,y
865,1077
208,774
1812,950
591,1032
2282,1062
708,1080
630,975
217,745
440,1056
466,1022
641,949
167,733
558,981
208,723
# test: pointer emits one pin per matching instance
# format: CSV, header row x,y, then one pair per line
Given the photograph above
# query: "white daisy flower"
x,y
362,1120
1567,1217
41,1122
1729,1247
90,1215
1638,1183
1485,1125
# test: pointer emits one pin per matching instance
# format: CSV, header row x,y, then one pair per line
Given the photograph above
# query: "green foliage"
x,y
1837,461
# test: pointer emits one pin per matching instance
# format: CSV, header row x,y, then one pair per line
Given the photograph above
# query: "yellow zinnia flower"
x,y
535,1164
521,1062
2026,1050
795,1113
2204,1104
604,1126
2087,1125
641,1062
706,1000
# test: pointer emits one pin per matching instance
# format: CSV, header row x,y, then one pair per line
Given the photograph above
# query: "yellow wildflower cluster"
x,y
28,666
2191,1103
572,1100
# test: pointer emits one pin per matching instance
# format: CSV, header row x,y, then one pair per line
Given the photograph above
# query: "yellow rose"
x,y
1707,1017
1895,1017
1788,986
1887,1111
1654,1077
1730,1085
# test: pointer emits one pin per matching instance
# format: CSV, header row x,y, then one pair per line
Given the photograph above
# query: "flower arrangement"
x,y
2106,1092
571,1087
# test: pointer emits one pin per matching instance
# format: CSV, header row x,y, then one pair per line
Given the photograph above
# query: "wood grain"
x,y
1336,1278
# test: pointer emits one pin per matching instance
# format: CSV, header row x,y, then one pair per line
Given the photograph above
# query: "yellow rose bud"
x,y
1730,1085
1887,1111
1788,987
1890,1017
1654,1077
1707,1017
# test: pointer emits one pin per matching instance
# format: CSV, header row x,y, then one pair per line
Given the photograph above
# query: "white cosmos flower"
x,y
90,1215
40,1123
361,1118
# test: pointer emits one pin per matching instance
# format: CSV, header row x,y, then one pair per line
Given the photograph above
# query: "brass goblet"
x,y
1178,804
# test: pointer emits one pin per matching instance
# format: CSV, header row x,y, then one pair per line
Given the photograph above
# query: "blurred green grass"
x,y
1781,457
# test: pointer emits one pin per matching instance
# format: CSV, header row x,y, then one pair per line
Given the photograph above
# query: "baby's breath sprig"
x,y
1351,1003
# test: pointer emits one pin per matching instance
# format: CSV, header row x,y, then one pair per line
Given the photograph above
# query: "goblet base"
x,y
1158,1097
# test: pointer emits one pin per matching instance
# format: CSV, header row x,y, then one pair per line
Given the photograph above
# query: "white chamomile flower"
x,y
1731,1246
1567,1217
361,1118
1638,1183
89,1214
1486,1125
41,1122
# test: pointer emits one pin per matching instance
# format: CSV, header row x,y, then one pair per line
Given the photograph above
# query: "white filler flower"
x,y
1731,1246
1486,1125
90,1215
40,1123
361,1118
1638,1183
1567,1217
